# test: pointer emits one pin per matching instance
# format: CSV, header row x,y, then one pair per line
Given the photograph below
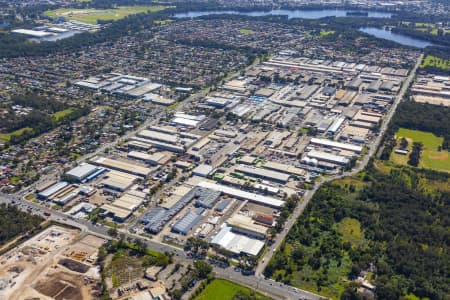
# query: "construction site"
x,y
59,263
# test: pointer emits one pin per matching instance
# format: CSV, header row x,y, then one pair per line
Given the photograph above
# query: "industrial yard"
x,y
286,122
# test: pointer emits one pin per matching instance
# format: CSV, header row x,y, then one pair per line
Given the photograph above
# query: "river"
x,y
291,13
396,37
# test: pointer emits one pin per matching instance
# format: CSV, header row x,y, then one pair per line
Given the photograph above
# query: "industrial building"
x,y
336,145
116,213
252,197
119,181
203,170
284,168
153,159
123,166
82,172
263,173
328,157
237,243
187,222
247,226
53,189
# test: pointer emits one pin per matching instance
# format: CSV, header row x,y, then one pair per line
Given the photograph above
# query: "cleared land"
x,y
220,289
431,157
92,16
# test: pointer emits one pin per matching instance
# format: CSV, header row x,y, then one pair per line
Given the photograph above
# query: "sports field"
x,y
92,16
220,289
431,157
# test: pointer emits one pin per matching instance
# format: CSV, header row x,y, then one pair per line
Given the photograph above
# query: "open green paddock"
x,y
92,16
220,289
431,157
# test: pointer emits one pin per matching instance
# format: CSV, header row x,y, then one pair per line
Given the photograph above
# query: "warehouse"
x,y
335,126
187,222
355,134
337,159
139,145
263,173
337,145
252,197
81,172
206,198
245,225
128,202
143,89
203,170
200,144
158,136
153,159
116,213
365,117
119,181
45,194
160,145
123,166
284,168
236,243
223,205
185,122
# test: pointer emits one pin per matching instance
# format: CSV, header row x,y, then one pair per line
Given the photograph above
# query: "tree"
x,y
403,143
113,231
202,269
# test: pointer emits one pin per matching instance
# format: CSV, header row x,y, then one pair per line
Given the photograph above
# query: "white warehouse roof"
x,y
333,144
324,156
242,194
237,243
82,171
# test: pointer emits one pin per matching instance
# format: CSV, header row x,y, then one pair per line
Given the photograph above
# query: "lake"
x,y
291,13
395,37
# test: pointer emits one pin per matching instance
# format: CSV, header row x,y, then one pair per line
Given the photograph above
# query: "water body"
x,y
396,37
291,13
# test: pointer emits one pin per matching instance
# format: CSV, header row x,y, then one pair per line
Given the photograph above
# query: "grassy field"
x,y
246,31
436,62
431,158
61,114
326,33
220,289
92,16
350,230
125,268
19,132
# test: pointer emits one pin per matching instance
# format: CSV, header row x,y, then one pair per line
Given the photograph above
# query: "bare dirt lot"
x,y
41,268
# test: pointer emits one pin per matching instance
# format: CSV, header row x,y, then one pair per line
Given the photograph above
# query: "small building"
x,y
203,170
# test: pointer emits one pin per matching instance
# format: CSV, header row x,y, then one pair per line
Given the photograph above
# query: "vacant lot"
x,y
125,267
431,157
92,16
220,289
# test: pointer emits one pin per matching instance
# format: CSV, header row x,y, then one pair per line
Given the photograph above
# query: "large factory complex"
x,y
222,168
